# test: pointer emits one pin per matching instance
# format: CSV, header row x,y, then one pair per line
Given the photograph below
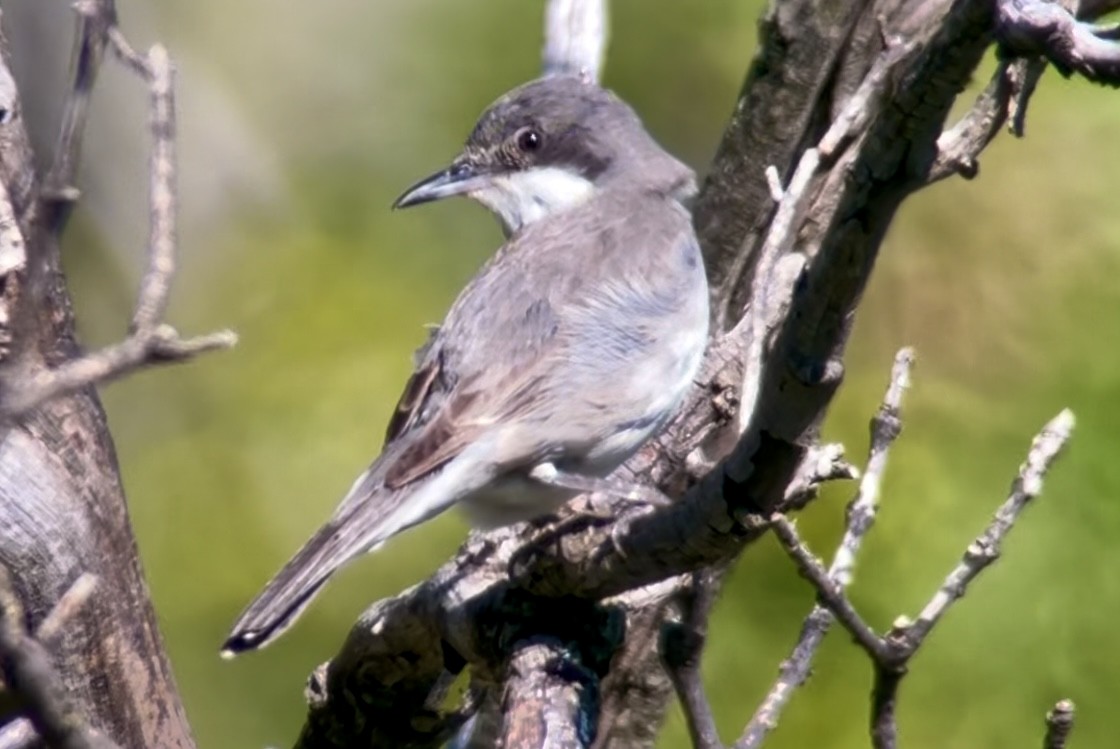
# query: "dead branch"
x,y
885,428
1037,27
730,481
549,700
1059,725
61,500
892,652
28,673
681,646
575,38
149,341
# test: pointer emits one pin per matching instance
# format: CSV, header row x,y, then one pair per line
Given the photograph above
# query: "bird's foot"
x,y
629,492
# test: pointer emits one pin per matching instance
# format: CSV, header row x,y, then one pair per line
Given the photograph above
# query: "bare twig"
x,y
1025,75
905,638
959,147
891,653
763,310
149,341
885,428
575,38
681,646
831,595
28,672
151,304
162,346
986,548
96,18
1059,725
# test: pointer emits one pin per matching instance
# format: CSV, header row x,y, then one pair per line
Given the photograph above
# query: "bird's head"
x,y
548,145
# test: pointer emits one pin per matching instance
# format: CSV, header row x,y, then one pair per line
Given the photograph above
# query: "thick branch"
x,y
1038,27
575,38
549,700
62,506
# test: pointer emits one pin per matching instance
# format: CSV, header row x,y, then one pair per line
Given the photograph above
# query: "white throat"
x,y
520,198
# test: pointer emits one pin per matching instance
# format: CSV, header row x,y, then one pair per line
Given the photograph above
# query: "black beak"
x,y
457,179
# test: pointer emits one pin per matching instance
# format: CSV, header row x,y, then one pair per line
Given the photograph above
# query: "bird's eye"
x,y
529,139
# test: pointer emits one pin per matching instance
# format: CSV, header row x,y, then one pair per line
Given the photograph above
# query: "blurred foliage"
x,y
1006,285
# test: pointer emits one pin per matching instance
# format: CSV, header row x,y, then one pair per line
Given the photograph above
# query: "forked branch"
x,y
149,341
892,652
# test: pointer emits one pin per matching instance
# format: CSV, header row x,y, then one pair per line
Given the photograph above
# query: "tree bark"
x,y
62,506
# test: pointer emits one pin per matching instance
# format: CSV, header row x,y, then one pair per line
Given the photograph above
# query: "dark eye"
x,y
529,139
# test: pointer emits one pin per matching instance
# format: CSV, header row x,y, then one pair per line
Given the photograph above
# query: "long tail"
x,y
368,516
293,588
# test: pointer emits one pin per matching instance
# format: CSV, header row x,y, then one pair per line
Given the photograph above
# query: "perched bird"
x,y
572,346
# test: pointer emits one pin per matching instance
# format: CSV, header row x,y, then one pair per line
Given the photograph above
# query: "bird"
x,y
573,345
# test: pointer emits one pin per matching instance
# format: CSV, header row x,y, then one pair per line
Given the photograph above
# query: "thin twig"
x,y
830,594
1025,75
886,425
884,706
681,646
161,346
885,428
905,638
29,673
149,342
959,147
151,303
779,241
1059,725
96,18
986,548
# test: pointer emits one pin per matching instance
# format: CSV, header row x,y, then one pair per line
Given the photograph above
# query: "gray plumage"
x,y
571,347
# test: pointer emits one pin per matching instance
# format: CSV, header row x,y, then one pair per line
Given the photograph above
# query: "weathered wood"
x,y
62,506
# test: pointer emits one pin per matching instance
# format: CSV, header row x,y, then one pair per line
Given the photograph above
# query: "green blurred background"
x,y
301,122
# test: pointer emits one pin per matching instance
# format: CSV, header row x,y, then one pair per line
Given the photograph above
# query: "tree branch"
x,y
575,38
149,341
1059,725
62,506
1037,27
549,701
681,646
892,652
29,674
885,428
729,481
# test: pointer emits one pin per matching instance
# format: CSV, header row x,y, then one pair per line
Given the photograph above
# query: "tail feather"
x,y
368,516
290,591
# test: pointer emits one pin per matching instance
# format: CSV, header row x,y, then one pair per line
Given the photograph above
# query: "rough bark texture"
x,y
62,507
